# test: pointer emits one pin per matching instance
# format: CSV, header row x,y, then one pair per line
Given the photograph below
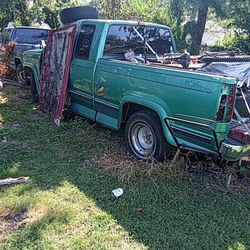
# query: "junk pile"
x,y
7,69
241,71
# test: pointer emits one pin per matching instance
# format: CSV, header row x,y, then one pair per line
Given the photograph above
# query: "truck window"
x,y
84,41
122,38
30,36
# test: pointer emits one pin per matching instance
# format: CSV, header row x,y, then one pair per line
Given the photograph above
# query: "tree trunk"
x,y
200,27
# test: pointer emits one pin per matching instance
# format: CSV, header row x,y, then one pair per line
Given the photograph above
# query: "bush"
x,y
234,40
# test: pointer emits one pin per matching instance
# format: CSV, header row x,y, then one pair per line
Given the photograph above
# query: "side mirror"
x,y
43,44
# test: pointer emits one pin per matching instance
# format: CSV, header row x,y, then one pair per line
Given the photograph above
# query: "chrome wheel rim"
x,y
142,140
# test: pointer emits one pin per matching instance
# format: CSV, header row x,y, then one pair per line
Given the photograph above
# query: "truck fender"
x,y
156,107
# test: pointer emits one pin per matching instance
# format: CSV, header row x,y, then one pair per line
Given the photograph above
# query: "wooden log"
x,y
10,181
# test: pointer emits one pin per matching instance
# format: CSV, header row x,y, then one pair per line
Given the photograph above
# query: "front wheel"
x,y
144,136
19,74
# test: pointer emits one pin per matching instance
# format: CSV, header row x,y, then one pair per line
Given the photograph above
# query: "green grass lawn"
x,y
72,171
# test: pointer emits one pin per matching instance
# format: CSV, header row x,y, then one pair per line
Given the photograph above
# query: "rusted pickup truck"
x,y
118,77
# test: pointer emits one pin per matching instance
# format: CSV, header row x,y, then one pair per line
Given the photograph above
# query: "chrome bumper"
x,y
234,150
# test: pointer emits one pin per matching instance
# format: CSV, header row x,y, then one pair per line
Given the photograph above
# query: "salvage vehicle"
x,y
26,38
118,77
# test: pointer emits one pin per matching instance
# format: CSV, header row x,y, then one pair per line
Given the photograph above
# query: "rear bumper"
x,y
234,150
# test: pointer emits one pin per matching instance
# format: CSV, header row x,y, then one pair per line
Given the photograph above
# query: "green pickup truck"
x,y
117,78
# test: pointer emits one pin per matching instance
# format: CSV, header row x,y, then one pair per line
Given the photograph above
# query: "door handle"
x,y
116,69
101,91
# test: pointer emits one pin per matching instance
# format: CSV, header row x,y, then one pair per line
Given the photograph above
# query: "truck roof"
x,y
28,27
120,22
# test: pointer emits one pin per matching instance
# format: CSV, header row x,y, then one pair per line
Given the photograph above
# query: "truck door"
x,y
81,73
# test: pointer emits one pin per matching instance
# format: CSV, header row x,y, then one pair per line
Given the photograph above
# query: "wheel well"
x,y
130,108
28,73
17,62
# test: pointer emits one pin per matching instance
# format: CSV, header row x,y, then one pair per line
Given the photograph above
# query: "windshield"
x,y
154,41
30,36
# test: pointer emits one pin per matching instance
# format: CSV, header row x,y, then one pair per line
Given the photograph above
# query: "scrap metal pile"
x,y
234,64
7,69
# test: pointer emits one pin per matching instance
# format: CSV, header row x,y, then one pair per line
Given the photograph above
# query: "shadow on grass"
x,y
177,214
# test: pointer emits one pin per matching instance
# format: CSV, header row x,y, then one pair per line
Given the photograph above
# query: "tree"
x,y
48,11
239,19
200,25
110,9
239,15
25,12
146,10
16,11
198,10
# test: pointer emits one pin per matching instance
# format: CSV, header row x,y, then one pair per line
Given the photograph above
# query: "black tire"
x,y
28,73
19,69
145,121
33,90
73,14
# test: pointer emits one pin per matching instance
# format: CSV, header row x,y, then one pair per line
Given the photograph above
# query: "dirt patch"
x,y
10,222
133,171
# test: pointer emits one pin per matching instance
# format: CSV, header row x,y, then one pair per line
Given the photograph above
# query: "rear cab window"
x,y
139,39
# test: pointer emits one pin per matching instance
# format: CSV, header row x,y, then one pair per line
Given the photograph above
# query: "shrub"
x,y
234,40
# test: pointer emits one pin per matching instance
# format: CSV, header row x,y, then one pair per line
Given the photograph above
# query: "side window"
x,y
132,43
120,39
84,42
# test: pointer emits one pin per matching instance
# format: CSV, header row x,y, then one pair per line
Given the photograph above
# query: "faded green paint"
x,y
31,59
183,94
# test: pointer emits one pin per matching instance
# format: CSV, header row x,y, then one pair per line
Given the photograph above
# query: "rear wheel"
x,y
20,74
33,90
144,136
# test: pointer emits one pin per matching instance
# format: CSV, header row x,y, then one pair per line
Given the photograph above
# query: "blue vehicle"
x,y
26,38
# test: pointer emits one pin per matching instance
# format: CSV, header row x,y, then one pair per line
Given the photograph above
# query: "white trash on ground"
x,y
118,192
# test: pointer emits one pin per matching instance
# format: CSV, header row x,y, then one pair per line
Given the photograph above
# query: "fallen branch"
x,y
10,181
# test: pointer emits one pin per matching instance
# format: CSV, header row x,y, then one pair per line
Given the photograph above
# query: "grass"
x,y
73,170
